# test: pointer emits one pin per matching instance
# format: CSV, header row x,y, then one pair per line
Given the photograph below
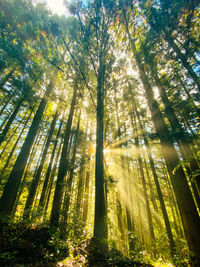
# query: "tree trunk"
x,y
9,139
100,228
36,178
79,199
11,188
183,59
11,119
8,114
180,137
51,181
26,171
46,181
68,188
7,101
187,208
86,196
14,147
63,166
6,78
190,218
139,158
160,196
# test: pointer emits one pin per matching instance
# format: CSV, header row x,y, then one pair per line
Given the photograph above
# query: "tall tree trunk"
x,y
79,199
68,188
7,116
9,139
36,178
100,228
86,187
51,181
180,137
11,119
14,147
139,158
6,78
47,177
187,208
10,96
11,188
160,195
129,218
190,98
63,166
86,196
27,170
183,59
190,218
139,202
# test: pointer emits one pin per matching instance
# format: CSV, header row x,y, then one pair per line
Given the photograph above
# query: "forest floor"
x,y
23,246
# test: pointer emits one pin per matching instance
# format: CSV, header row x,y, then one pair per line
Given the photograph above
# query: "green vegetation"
x,y
99,141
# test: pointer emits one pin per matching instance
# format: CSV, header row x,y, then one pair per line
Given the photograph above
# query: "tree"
x,y
10,191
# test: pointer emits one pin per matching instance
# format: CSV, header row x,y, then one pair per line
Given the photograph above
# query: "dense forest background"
x,y
99,143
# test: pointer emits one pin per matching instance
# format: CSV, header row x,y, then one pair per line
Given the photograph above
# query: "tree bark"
x,y
6,78
100,229
139,158
47,177
11,119
184,60
68,187
11,188
63,166
36,178
185,201
190,218
180,136
15,145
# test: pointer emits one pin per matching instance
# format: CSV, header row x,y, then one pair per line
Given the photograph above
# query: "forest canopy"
x,y
99,141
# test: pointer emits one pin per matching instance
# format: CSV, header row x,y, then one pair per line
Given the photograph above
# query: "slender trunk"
x,y
10,138
183,59
68,189
190,98
26,213
188,211
180,137
137,192
86,196
80,195
121,159
119,216
51,181
7,101
86,187
11,119
36,178
139,158
161,200
173,200
11,188
15,145
6,78
7,116
63,166
129,218
27,171
47,177
153,200
162,203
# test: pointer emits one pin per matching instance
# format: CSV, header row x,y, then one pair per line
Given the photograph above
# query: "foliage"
x,y
23,244
121,170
